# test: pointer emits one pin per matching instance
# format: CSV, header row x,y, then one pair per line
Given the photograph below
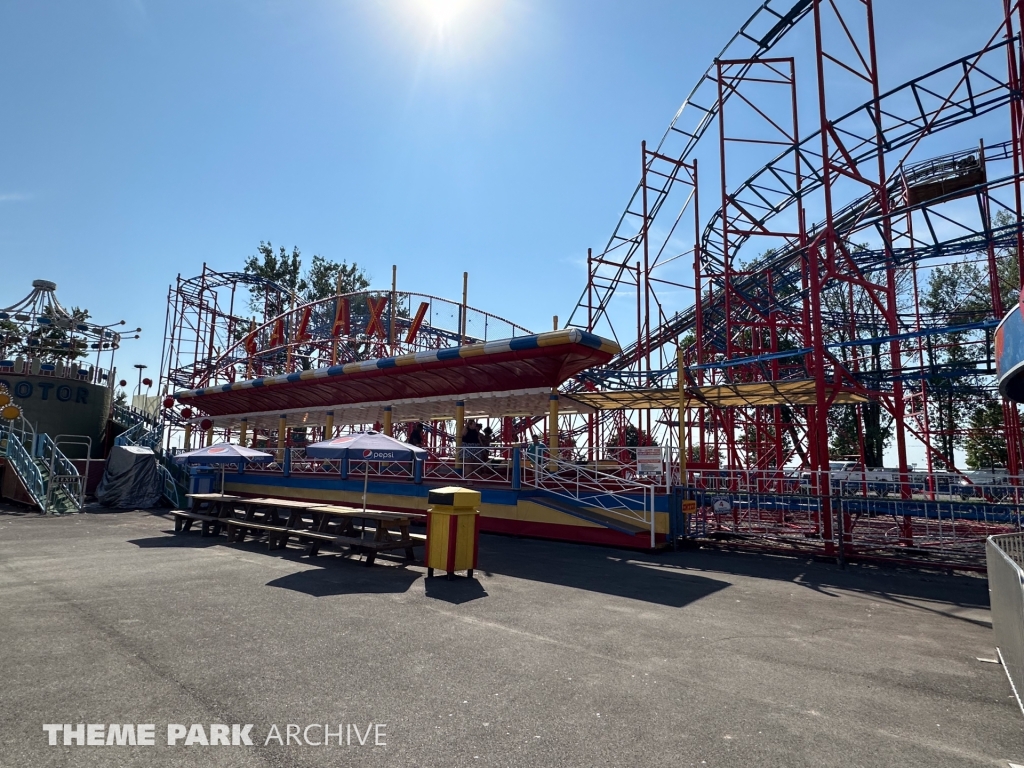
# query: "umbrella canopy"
x,y
364,446
223,453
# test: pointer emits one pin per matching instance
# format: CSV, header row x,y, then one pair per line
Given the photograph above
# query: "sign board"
x,y
649,459
721,504
689,507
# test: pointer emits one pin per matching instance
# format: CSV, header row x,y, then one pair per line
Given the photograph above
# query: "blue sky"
x,y
501,137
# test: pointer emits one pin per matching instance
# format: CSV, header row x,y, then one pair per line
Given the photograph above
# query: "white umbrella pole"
x,y
222,468
366,482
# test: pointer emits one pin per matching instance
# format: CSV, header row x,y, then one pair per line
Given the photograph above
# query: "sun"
x,y
448,16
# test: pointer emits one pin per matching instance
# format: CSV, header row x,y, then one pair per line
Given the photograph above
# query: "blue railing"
x,y
62,474
19,458
175,480
143,434
172,491
130,417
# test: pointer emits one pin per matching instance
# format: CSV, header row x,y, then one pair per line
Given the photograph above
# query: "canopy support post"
x,y
282,436
460,425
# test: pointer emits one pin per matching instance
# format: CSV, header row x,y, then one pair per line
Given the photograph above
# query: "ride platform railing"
x,y
586,486
487,465
1005,565
87,374
938,517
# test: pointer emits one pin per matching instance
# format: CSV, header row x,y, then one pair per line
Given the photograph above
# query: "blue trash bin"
x,y
202,480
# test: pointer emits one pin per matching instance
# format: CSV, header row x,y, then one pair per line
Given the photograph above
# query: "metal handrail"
x,y
62,474
1005,560
124,414
170,491
141,433
25,467
592,488
54,457
176,473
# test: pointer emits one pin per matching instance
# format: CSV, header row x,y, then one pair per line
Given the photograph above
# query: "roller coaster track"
x,y
765,27
975,92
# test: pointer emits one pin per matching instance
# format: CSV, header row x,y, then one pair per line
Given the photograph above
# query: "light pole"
x,y
141,367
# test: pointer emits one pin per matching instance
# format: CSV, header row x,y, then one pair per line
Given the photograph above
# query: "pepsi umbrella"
x,y
365,446
223,454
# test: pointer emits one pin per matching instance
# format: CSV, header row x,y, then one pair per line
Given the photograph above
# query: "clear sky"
x,y
141,139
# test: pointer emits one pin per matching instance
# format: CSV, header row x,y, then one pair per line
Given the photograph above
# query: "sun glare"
x,y
450,17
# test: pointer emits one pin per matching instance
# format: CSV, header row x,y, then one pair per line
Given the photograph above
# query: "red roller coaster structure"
x,y
806,277
797,299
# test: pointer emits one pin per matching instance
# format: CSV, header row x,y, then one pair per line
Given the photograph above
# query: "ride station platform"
x,y
546,490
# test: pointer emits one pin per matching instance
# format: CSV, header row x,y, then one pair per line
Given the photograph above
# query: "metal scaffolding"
x,y
810,268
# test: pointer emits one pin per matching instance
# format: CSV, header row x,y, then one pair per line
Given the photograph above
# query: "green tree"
x,y
861,319
324,276
985,445
956,294
1007,268
322,279
282,268
47,343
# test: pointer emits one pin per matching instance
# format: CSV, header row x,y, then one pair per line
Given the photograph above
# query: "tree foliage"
x,y
956,295
852,426
46,343
986,443
323,278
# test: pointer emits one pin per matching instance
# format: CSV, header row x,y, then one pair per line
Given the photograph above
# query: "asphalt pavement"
x,y
554,655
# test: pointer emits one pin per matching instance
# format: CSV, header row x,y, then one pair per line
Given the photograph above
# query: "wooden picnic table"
x,y
318,531
208,508
251,506
388,524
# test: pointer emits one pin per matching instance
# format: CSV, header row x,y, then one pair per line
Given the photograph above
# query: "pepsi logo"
x,y
217,449
371,455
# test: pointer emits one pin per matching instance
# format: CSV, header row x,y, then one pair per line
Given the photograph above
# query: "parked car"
x,y
993,485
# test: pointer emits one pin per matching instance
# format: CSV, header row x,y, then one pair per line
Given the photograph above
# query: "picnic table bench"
x,y
344,518
329,525
208,508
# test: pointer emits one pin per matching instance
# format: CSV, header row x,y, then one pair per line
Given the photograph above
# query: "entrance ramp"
x,y
601,517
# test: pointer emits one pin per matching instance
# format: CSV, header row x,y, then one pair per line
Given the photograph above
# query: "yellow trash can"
x,y
453,530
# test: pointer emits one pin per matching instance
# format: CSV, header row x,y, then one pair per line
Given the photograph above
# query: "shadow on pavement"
x,y
323,582
457,591
191,539
595,569
945,594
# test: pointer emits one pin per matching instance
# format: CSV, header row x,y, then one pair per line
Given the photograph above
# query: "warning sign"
x,y
649,459
722,505
689,507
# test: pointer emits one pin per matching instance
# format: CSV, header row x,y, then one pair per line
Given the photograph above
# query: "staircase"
x,y
175,482
141,429
144,431
57,492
